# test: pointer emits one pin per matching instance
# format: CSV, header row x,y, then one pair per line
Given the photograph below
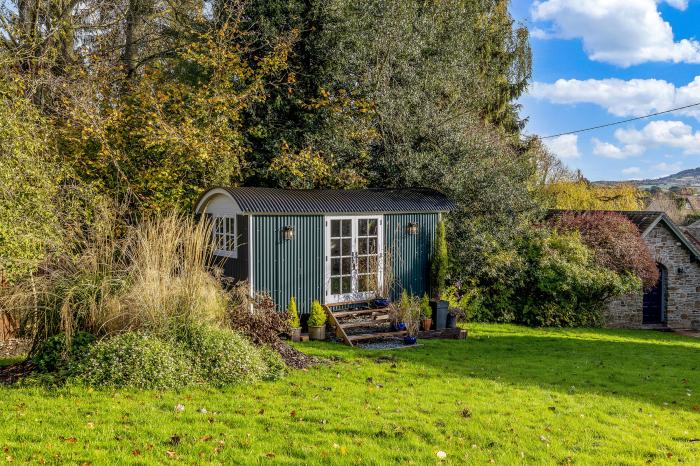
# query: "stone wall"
x,y
682,292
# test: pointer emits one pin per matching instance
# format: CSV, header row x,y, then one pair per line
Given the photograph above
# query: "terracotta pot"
x,y
317,333
426,323
296,334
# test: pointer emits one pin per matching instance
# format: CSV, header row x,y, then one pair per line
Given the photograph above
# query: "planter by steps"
x,y
296,334
317,333
440,311
451,320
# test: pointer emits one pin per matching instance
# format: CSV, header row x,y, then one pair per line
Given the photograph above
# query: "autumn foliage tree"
x,y
581,194
615,241
181,127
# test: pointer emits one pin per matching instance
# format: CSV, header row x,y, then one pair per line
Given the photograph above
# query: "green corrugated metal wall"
x,y
410,254
296,268
289,268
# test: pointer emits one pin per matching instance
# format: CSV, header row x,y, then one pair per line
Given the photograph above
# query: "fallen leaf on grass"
x,y
441,454
206,438
179,408
70,440
136,453
270,454
170,454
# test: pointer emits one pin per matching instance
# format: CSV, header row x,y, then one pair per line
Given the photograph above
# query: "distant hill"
x,y
685,178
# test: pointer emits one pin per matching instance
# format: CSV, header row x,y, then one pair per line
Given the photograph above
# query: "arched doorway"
x,y
654,303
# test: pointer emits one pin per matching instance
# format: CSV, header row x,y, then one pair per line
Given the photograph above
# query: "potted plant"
x,y
426,313
439,266
383,290
317,322
396,316
410,314
412,320
294,322
453,316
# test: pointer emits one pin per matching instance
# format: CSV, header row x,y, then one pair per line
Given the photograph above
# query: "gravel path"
x,y
384,344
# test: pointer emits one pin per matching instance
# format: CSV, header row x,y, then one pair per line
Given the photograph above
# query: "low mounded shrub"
x,y
137,360
276,368
201,355
223,357
55,355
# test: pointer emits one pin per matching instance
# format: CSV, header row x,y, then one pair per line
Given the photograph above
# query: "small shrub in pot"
x,y
294,321
317,322
426,313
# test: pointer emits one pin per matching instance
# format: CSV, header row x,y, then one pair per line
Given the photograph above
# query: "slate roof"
x,y
315,201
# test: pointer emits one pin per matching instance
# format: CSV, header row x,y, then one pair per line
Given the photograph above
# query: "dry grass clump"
x,y
118,278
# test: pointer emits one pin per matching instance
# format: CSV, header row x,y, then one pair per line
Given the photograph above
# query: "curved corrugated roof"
x,y
308,201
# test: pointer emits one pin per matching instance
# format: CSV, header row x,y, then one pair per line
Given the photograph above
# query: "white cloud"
x,y
635,97
564,147
621,32
664,169
631,171
662,133
612,151
680,4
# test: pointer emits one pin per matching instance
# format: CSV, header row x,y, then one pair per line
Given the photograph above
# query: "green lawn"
x,y
506,395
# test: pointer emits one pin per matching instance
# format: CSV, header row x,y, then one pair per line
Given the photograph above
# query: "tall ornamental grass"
x,y
154,276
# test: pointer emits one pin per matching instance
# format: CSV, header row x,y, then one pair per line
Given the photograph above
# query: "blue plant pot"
x,y
409,340
382,302
397,327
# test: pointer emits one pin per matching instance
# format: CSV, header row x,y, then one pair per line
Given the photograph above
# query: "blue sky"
x,y
600,61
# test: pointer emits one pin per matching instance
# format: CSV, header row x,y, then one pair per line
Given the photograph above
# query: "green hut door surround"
x,y
353,257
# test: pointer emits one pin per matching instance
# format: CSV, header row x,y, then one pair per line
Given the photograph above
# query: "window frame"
x,y
224,236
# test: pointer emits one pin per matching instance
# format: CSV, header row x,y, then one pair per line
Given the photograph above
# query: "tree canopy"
x,y
149,102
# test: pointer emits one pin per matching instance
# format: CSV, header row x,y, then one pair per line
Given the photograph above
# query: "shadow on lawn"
x,y
648,366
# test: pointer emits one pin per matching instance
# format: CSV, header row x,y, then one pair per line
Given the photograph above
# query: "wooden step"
x,y
366,323
349,303
369,336
381,310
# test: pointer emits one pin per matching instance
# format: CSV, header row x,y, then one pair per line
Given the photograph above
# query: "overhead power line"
x,y
620,122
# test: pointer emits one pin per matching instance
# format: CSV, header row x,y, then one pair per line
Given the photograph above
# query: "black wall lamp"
x,y
288,233
412,228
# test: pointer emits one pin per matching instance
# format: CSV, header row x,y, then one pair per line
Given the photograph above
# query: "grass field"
x,y
506,395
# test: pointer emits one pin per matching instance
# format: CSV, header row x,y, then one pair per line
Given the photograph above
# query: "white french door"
x,y
354,258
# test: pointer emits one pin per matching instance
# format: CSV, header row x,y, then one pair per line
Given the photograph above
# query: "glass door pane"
x,y
341,257
368,256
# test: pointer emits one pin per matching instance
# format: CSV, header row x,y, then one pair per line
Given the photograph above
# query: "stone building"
x,y
675,300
